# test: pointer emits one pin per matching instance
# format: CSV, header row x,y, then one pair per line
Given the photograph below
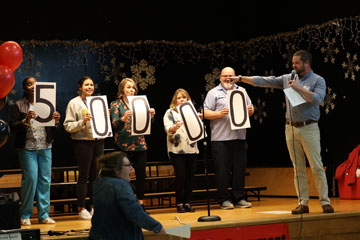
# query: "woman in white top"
x,y
182,154
86,148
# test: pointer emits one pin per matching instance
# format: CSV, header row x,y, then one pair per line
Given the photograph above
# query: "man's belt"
x,y
300,124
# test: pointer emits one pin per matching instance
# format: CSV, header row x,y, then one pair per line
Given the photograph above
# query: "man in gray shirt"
x,y
228,146
302,130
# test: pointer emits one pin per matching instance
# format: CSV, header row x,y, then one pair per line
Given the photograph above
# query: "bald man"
x,y
228,146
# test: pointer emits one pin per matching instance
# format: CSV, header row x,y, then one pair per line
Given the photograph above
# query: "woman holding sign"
x,y
33,144
134,146
86,148
181,152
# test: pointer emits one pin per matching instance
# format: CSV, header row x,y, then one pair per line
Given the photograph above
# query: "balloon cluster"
x,y
11,56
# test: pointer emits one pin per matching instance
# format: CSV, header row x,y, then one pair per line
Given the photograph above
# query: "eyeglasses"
x,y
127,165
227,76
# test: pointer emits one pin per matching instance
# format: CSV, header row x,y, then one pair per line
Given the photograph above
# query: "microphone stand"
x,y
207,218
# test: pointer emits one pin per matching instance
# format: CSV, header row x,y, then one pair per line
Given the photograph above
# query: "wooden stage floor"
x,y
343,224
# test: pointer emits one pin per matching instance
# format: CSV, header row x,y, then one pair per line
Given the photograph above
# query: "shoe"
x,y
227,205
48,221
243,204
180,208
84,215
92,212
328,208
188,208
300,209
25,222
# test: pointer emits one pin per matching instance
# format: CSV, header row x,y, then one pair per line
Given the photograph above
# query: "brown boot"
x,y
300,209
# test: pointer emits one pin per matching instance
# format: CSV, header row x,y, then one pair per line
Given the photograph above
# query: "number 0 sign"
x,y
193,125
239,117
141,119
100,122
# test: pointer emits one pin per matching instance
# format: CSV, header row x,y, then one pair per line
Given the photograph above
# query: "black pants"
x,y
230,167
86,153
184,166
138,159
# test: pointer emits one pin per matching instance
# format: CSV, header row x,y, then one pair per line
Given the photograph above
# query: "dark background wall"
x,y
186,44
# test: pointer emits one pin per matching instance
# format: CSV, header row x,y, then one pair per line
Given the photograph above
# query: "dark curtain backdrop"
x,y
160,67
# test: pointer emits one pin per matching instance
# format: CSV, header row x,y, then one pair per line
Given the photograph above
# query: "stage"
x,y
268,212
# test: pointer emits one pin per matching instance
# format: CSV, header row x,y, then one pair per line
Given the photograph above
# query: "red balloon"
x,y
7,80
11,55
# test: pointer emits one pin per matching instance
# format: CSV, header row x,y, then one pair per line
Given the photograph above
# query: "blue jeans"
x,y
35,182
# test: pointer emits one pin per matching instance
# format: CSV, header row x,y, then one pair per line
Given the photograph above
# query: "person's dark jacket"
x,y
17,116
117,213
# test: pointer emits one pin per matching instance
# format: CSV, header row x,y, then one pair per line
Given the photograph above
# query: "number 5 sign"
x,y
44,103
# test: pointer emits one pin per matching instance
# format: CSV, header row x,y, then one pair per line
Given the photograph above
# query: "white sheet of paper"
x,y
141,119
10,236
238,115
294,97
100,122
44,103
181,231
193,125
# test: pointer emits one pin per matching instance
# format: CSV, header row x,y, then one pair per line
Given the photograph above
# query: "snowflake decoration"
x,y
269,90
260,112
288,55
328,103
115,71
269,73
210,79
148,70
249,60
10,96
350,66
330,51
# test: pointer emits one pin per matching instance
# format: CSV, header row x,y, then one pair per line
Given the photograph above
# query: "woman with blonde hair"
x,y
182,154
134,146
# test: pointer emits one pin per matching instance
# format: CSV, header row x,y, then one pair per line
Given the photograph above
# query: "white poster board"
x,y
180,231
100,122
141,119
193,125
44,103
238,115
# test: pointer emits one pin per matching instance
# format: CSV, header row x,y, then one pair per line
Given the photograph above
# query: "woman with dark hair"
x,y
86,148
118,215
182,153
33,145
134,146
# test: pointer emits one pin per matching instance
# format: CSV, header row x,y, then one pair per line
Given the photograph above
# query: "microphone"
x,y
293,72
56,233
